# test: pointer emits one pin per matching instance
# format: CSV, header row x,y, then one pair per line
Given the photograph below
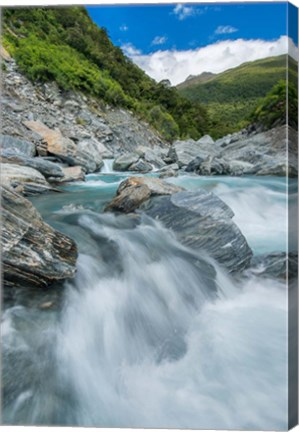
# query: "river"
x,y
150,333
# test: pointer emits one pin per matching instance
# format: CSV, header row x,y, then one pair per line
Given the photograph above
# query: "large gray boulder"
x,y
123,162
45,167
17,146
203,222
93,148
33,253
183,152
151,155
25,180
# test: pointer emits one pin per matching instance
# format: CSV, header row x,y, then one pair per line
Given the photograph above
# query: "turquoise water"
x,y
150,333
259,203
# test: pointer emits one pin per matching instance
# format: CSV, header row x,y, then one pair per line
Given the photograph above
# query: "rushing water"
x,y
150,333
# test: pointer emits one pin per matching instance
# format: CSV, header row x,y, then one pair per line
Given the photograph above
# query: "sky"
x,y
174,41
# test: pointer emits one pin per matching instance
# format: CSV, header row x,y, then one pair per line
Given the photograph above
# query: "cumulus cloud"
x,y
221,30
131,51
217,57
159,40
183,11
124,28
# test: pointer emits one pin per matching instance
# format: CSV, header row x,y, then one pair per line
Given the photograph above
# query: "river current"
x,y
150,333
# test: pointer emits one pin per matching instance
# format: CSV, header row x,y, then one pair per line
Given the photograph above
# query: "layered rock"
x,y
45,167
264,153
17,146
33,253
204,223
25,180
199,219
86,153
183,152
135,190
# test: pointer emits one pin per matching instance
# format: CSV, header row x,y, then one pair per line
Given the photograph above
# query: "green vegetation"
x,y
272,110
230,97
64,45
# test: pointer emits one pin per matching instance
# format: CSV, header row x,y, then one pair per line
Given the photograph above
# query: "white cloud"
x,y
182,11
124,28
131,51
218,57
159,40
220,30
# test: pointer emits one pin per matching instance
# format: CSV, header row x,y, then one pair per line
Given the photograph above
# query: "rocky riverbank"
x,y
51,138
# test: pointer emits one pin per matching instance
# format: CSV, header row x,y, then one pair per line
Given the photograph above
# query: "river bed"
x,y
149,334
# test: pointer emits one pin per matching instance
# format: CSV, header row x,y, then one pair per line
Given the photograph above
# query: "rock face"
x,y
135,190
123,162
33,253
85,153
199,219
26,180
203,222
183,152
17,146
45,167
262,153
70,174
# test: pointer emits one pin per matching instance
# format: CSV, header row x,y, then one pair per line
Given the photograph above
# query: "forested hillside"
x,y
64,45
233,95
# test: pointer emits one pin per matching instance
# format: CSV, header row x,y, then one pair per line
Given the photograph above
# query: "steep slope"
x,y
64,45
231,96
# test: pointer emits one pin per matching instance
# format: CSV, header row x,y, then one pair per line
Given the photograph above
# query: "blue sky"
x,y
163,38
188,26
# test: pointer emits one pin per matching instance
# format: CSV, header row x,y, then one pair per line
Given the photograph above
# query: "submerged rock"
x,y
33,253
279,265
203,222
135,190
200,219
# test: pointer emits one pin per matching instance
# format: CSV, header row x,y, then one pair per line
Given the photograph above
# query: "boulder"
x,y
75,173
17,146
64,148
26,180
202,222
265,151
168,173
33,253
206,140
93,148
172,167
152,156
135,190
45,167
123,162
140,166
183,152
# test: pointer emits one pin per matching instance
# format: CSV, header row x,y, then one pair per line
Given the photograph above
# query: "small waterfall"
x,y
108,166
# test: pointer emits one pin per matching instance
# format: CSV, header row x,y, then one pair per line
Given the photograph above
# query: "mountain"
x,y
64,45
231,96
195,79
